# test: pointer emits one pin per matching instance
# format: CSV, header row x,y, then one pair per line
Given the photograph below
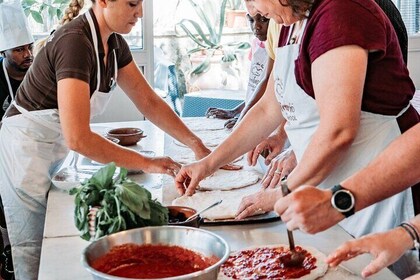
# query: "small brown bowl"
x,y
178,215
127,135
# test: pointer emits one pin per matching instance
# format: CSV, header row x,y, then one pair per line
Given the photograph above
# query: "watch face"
x,y
343,200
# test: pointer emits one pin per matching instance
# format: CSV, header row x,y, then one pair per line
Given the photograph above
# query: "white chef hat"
x,y
14,31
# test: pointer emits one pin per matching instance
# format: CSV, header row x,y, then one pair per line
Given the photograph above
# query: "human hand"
x,y
201,152
229,124
271,144
385,248
163,165
219,113
257,203
309,209
187,179
279,167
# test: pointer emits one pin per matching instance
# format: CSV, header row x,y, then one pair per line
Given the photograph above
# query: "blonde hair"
x,y
71,12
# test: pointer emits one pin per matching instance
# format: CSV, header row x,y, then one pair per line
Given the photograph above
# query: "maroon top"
x,y
331,24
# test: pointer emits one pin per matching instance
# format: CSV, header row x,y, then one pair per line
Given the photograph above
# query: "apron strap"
x,y
95,45
9,85
55,126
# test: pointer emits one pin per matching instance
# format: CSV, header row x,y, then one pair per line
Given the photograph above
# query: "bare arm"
x,y
256,126
259,90
339,103
385,248
155,108
74,108
395,169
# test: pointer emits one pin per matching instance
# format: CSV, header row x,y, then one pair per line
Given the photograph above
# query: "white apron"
x,y
375,133
31,146
257,70
9,86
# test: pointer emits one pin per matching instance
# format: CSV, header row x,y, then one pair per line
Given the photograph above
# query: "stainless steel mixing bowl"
x,y
198,240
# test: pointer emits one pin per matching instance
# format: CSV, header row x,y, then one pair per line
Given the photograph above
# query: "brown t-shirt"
x,y
69,53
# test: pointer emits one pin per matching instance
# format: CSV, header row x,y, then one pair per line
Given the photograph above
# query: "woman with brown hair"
x,y
71,81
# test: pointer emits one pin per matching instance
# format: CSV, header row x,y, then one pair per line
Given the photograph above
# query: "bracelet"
x,y
412,231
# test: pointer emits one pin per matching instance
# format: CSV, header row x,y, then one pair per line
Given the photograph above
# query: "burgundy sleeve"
x,y
347,23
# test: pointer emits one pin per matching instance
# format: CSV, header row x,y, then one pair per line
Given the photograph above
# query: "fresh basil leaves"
x,y
122,203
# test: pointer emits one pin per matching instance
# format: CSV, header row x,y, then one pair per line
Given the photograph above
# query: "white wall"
x,y
414,59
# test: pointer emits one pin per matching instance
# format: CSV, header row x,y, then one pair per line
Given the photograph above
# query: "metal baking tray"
x,y
263,218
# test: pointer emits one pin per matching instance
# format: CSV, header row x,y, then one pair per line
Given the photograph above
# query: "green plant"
x,y
122,203
209,41
39,9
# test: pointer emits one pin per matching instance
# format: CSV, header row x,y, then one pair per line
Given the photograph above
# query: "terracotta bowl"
x,y
178,215
127,135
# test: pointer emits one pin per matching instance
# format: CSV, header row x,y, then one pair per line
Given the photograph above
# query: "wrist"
x,y
342,200
404,238
411,231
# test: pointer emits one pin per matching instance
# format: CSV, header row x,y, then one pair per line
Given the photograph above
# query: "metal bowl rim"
x,y
180,277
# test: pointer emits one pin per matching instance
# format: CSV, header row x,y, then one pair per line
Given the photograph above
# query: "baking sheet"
x,y
263,218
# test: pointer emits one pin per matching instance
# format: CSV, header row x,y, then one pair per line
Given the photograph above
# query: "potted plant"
x,y
235,14
208,49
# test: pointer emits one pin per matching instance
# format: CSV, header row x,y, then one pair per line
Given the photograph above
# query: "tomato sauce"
x,y
151,261
265,263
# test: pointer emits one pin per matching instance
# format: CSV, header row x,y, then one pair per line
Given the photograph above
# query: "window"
x,y
410,12
43,17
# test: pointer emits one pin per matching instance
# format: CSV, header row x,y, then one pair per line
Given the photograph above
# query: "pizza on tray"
x,y
265,262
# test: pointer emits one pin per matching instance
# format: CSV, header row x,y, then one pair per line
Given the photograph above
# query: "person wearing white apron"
x,y
257,71
16,43
302,114
330,134
35,138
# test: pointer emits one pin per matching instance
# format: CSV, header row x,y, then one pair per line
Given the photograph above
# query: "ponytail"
x,y
72,11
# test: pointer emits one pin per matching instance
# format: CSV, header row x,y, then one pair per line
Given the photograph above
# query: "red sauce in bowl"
x,y
151,261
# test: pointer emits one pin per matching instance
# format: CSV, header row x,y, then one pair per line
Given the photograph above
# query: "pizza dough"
x,y
197,124
319,270
225,180
188,157
225,210
211,138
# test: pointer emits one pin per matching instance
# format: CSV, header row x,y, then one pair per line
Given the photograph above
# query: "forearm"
x,y
322,155
254,128
101,150
155,108
259,90
394,170
161,114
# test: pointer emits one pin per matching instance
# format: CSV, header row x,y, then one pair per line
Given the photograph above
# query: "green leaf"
x,y
103,177
136,198
59,13
203,66
37,17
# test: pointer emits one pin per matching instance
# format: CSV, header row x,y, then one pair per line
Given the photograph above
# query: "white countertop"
x,y
62,247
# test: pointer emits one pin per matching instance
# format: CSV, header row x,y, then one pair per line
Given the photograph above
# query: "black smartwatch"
x,y
342,200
